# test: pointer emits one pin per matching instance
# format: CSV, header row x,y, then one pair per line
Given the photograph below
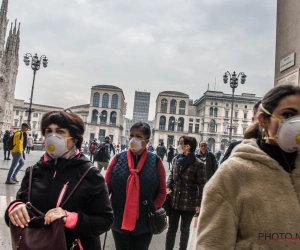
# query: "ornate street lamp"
x,y
233,84
35,66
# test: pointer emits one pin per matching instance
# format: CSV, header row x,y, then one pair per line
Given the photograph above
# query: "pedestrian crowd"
x,y
244,198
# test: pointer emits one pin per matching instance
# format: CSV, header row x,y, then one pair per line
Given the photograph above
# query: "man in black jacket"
x,y
102,155
5,149
209,160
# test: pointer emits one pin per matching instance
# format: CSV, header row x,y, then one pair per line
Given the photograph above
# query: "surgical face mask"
x,y
56,145
179,149
135,144
288,133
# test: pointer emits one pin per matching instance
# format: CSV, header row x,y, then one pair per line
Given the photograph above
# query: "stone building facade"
x,y
9,63
105,114
287,58
20,115
207,119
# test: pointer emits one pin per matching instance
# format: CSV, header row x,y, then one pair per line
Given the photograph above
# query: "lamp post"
x,y
233,84
35,66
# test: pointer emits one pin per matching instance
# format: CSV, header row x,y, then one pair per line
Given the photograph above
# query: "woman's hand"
x,y
168,190
54,214
197,209
19,216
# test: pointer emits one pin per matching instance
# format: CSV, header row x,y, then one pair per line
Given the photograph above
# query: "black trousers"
x,y
186,219
130,242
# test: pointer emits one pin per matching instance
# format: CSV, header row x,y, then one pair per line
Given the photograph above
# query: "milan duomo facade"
x,y
9,63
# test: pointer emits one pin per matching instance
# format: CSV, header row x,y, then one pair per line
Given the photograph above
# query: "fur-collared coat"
x,y
251,203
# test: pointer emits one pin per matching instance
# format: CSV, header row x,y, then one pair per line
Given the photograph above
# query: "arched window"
x,y
96,100
105,100
180,124
162,123
211,144
215,112
171,124
94,116
163,106
224,143
182,107
211,111
173,104
103,117
114,101
212,126
113,118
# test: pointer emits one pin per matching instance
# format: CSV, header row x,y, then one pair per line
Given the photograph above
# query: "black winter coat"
x,y
90,200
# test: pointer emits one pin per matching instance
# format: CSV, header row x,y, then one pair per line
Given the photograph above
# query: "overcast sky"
x,y
155,45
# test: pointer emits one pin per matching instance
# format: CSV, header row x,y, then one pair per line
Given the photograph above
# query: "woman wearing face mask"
x,y
252,202
184,186
133,176
87,213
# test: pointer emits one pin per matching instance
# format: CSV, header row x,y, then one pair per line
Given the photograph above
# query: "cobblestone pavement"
x,y
8,192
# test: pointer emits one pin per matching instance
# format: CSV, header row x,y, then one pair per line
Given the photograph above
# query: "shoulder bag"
x,y
37,235
158,220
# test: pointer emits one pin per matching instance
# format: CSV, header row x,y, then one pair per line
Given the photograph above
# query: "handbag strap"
x,y
77,184
30,179
145,202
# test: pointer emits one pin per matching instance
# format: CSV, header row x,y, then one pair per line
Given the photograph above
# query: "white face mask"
x,y
56,145
135,144
179,149
288,133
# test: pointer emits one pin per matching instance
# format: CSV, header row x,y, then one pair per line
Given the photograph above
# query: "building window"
x,y
211,111
114,101
227,104
171,124
16,123
35,115
244,130
212,126
94,116
245,106
191,119
101,136
173,104
113,118
96,100
190,127
17,112
92,136
163,106
103,117
236,114
105,100
226,113
245,115
34,125
197,120
180,124
182,107
211,103
235,130
236,105
216,103
197,128
215,112
162,123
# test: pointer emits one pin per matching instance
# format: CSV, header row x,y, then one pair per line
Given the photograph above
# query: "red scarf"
x,y
131,210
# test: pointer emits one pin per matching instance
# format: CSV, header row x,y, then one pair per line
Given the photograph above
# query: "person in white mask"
x,y
88,212
132,177
252,200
